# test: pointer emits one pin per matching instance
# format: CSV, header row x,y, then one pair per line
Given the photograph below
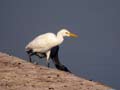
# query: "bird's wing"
x,y
43,42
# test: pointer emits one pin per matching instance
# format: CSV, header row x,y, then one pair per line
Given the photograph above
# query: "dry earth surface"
x,y
18,74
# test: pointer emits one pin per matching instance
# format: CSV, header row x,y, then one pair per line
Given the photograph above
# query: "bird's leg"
x,y
48,64
30,58
40,55
48,57
31,54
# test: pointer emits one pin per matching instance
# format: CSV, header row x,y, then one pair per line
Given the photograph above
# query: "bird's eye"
x,y
66,33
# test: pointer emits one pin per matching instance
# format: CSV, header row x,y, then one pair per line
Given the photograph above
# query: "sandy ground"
x,y
17,74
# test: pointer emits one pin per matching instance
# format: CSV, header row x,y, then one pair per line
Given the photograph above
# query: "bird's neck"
x,y
60,38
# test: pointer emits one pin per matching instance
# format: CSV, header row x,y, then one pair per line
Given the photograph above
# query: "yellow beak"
x,y
73,35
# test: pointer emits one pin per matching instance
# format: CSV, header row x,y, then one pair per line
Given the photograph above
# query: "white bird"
x,y
43,44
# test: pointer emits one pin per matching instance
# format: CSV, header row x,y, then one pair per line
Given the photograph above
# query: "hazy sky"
x,y
94,55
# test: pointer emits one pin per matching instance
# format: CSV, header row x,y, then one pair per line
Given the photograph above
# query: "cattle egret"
x,y
42,44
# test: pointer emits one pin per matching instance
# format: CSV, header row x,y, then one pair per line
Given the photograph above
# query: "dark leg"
x,y
43,55
40,55
30,53
30,58
48,64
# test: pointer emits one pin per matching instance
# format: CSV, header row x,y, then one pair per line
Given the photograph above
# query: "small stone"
x,y
58,75
49,77
65,85
51,88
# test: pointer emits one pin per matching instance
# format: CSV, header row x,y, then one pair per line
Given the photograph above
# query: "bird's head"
x,y
67,33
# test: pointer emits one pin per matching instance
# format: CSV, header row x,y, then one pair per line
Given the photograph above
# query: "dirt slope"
x,y
17,74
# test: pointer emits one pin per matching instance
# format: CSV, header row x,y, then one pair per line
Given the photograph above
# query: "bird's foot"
x,y
36,63
30,60
48,64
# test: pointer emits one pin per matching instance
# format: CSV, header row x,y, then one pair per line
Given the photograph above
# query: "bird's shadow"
x,y
55,58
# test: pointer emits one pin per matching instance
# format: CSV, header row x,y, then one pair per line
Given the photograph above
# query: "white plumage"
x,y
43,43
